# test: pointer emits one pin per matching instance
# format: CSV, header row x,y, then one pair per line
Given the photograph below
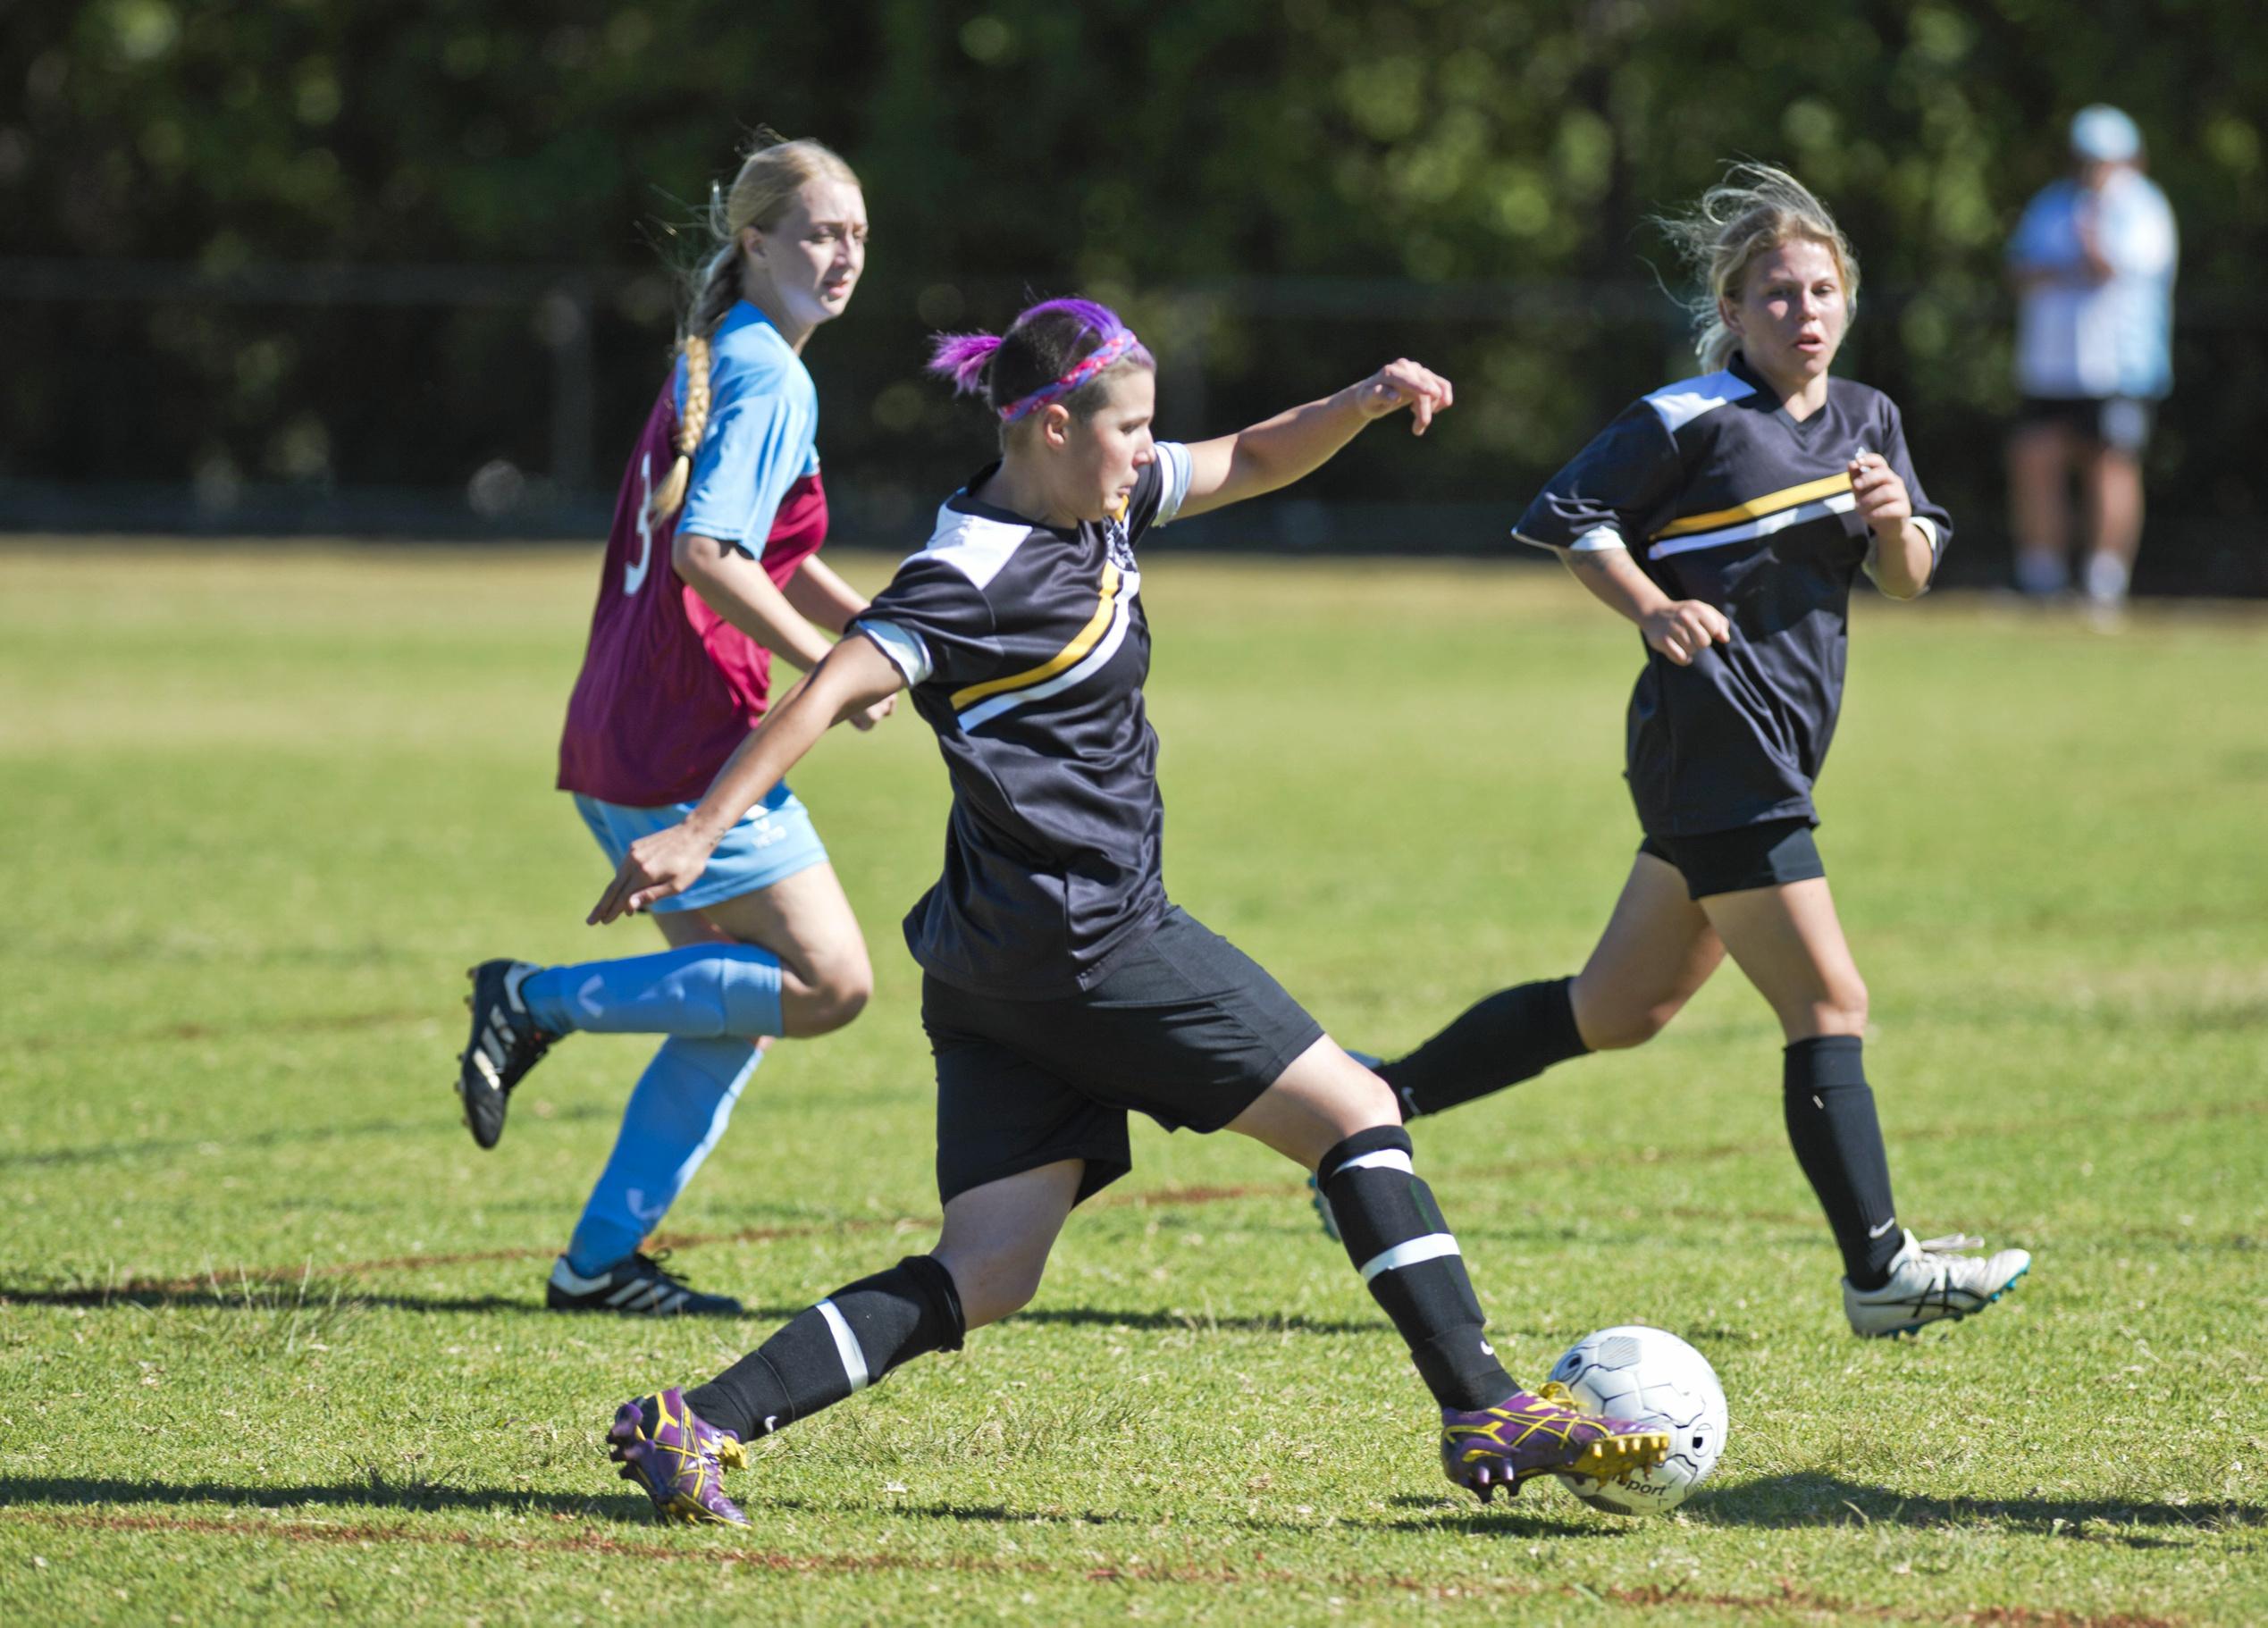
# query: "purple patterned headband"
x,y
1087,368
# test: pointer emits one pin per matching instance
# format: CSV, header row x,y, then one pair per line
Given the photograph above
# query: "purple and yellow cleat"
x,y
679,1458
1533,1433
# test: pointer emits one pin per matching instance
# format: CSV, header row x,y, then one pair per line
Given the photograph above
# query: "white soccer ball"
x,y
1655,1379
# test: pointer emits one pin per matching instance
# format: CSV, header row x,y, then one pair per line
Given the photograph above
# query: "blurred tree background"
x,y
368,266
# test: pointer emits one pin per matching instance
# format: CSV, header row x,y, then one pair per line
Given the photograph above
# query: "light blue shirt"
x,y
763,421
2076,336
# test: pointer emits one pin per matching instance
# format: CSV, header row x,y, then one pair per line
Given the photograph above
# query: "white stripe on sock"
x,y
846,1347
1432,1246
1384,1159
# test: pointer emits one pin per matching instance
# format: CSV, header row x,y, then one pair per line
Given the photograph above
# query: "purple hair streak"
x,y
961,357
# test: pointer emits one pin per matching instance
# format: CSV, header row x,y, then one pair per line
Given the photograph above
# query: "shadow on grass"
x,y
378,1492
230,1298
967,1514
1814,1499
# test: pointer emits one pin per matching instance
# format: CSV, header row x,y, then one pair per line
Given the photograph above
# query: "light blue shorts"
x,y
776,840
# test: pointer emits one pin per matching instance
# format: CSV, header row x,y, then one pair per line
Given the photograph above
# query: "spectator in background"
x,y
2093,264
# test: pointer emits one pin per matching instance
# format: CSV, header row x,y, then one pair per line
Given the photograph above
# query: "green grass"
x,y
269,1343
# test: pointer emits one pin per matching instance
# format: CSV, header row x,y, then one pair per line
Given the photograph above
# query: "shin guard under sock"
x,y
1397,1239
701,991
1514,1034
837,1349
1838,1142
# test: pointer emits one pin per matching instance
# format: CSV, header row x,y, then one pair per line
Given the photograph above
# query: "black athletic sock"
x,y
846,1342
1514,1034
1397,1239
1838,1142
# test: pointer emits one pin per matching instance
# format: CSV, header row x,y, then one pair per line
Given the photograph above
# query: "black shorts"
x,y
1187,1029
2121,423
1770,855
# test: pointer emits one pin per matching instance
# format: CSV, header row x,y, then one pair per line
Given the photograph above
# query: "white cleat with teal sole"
x,y
1930,1283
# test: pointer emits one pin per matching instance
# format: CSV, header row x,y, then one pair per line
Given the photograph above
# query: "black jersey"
x,y
1025,648
1721,497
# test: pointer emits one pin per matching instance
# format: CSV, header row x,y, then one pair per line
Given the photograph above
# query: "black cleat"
x,y
639,1285
505,1044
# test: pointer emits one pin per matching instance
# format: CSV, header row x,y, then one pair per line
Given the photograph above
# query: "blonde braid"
x,y
719,292
771,175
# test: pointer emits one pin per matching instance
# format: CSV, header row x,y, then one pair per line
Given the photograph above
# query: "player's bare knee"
x,y
1618,1031
837,993
1841,1011
1371,1103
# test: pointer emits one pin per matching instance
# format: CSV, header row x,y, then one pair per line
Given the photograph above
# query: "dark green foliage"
x,y
1510,151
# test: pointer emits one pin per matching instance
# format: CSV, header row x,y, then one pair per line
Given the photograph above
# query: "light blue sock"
x,y
676,1115
701,991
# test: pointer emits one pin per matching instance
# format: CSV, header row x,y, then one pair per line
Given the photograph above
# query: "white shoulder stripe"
x,y
975,545
1678,405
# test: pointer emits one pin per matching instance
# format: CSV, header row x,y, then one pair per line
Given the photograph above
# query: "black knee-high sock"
x,y
1838,1142
1395,1236
839,1346
1514,1034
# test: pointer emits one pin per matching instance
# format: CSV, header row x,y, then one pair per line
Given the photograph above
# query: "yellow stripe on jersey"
x,y
1771,502
1066,656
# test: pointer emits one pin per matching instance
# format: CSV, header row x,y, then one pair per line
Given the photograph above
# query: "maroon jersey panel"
x,y
668,688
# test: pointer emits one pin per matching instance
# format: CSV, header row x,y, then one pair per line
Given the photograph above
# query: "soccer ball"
x,y
1654,1378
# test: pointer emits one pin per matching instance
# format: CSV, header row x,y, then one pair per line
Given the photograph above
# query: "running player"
x,y
1728,516
710,568
1060,988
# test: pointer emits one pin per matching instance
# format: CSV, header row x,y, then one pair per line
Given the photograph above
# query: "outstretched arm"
x,y
853,678
1276,453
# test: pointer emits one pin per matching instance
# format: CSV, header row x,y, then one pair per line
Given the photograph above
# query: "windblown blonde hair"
x,y
771,173
1754,210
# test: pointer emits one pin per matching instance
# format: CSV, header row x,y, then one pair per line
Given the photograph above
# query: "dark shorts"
x,y
1770,855
1187,1029
2121,423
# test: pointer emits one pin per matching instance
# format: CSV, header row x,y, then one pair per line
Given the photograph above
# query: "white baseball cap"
x,y
2102,134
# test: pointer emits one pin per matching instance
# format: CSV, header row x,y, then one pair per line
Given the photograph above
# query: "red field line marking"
x,y
1788,1597
1157,1198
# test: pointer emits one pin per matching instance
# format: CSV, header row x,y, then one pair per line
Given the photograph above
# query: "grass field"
x,y
270,1343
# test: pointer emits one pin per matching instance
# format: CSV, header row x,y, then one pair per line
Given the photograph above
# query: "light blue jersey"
x,y
763,424
2080,337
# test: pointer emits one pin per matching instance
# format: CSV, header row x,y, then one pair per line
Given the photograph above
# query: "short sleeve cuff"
x,y
902,645
1598,540
1173,467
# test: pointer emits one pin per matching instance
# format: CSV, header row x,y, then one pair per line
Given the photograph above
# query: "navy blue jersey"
x,y
1721,497
1026,648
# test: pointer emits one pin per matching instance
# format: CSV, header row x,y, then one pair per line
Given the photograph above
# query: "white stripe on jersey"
x,y
1130,583
1763,525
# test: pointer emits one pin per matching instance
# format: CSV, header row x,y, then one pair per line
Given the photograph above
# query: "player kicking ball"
x,y
1060,988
